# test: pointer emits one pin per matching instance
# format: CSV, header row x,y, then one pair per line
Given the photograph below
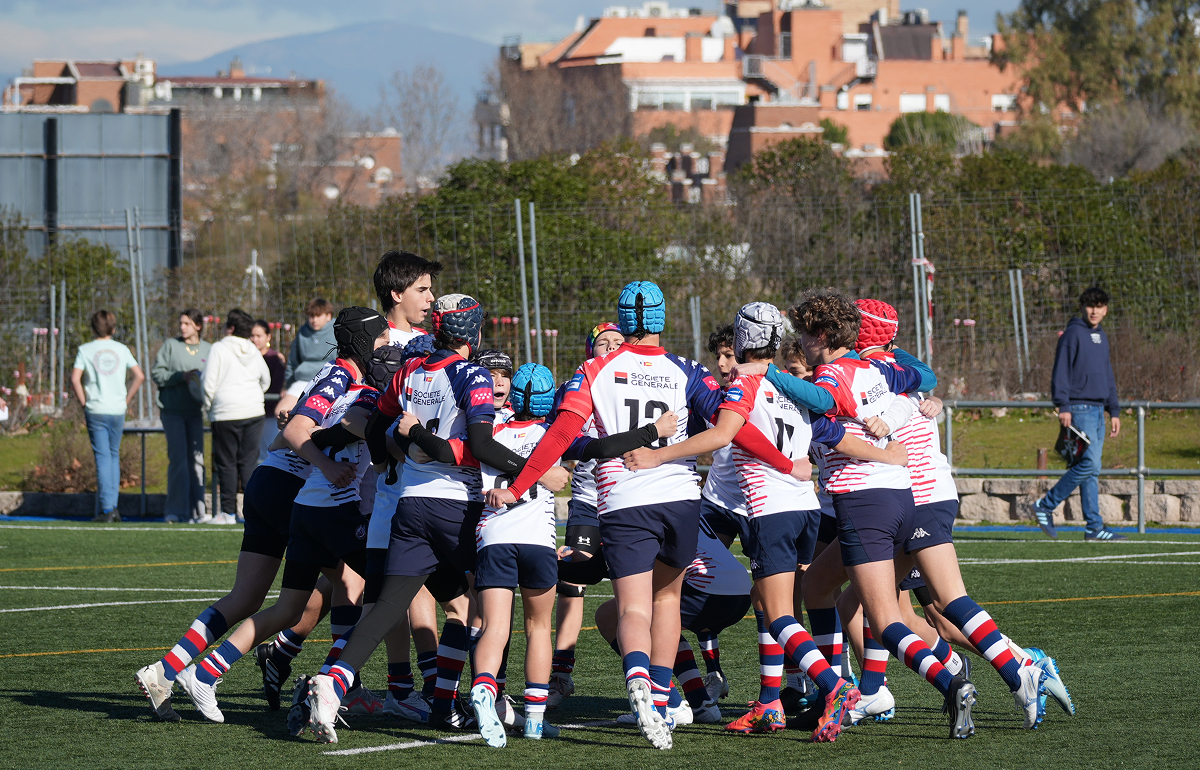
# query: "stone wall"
x,y
1007,500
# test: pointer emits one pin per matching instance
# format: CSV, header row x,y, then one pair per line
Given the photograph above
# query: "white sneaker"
x,y
1026,696
414,708
490,726
203,518
222,518
323,704
361,701
676,717
708,714
204,696
506,708
561,685
881,706
157,688
716,684
649,721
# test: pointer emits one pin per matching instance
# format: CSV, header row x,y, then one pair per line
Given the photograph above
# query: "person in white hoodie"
x,y
235,378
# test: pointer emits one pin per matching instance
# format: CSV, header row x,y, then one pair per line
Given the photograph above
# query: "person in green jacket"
x,y
176,372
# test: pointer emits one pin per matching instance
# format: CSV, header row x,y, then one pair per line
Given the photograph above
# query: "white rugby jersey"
x,y
863,389
583,478
761,404
715,570
387,496
446,393
530,520
927,466
322,390
317,490
721,487
628,389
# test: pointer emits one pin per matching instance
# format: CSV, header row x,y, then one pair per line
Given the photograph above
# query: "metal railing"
x,y
142,430
1140,472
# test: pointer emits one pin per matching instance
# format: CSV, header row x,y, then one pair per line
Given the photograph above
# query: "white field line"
x,y
451,739
1082,559
114,604
164,528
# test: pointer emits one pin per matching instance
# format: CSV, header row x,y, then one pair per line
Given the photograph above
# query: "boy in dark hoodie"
x,y
1083,388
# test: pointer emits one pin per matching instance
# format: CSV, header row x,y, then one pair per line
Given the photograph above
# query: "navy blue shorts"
x,y
725,522
711,612
781,541
509,565
583,527
427,531
634,538
933,524
325,536
873,524
912,580
267,507
827,529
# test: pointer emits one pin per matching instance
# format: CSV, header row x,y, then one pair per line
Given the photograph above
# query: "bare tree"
x,y
1116,139
425,110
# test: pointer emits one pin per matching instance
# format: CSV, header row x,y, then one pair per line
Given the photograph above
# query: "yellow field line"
x,y
118,566
593,628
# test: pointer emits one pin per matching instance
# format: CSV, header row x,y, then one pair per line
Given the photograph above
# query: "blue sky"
x,y
175,31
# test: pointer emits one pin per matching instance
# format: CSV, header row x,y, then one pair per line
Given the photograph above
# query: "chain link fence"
x,y
1141,245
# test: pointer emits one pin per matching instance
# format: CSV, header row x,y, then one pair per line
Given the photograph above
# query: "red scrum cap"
x,y
879,324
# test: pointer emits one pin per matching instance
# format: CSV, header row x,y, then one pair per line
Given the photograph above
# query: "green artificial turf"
x,y
1130,661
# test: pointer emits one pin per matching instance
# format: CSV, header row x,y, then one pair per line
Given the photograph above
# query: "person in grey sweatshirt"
x,y
1083,388
313,347
176,372
235,378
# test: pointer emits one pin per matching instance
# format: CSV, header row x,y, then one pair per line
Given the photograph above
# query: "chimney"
x,y
960,25
691,47
236,70
958,47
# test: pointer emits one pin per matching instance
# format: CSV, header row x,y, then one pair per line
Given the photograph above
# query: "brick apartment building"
x,y
770,70
368,166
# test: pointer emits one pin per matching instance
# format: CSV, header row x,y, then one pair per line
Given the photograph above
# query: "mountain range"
x,y
357,60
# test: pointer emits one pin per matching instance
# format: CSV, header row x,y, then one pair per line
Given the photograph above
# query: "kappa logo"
x,y
478,379
919,533
753,564
361,532
328,391
621,378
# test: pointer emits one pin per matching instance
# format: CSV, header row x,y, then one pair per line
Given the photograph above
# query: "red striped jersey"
x,y
630,388
529,520
862,389
317,490
932,481
322,390
765,489
388,495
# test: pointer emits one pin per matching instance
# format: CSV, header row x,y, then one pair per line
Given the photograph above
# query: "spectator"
x,y
1082,386
261,337
235,378
176,372
103,363
313,347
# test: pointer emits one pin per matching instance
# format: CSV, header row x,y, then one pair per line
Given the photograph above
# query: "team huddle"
x,y
418,470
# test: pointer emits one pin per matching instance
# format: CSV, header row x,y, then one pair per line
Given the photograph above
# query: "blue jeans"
x,y
185,465
104,430
1085,474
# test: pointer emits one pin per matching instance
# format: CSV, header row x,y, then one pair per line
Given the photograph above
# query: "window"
x,y
1004,102
941,102
862,102
912,102
702,101
785,45
673,100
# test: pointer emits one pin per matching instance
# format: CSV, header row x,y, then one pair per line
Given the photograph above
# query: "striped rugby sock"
x,y
710,650
660,685
451,657
536,694
875,660
689,675
208,627
827,634
217,663
979,627
797,644
914,653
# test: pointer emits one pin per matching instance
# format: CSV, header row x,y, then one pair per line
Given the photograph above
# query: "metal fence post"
x,y
949,412
537,297
1024,319
52,347
694,306
524,290
1141,469
1012,291
143,432
916,271
62,345
137,323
